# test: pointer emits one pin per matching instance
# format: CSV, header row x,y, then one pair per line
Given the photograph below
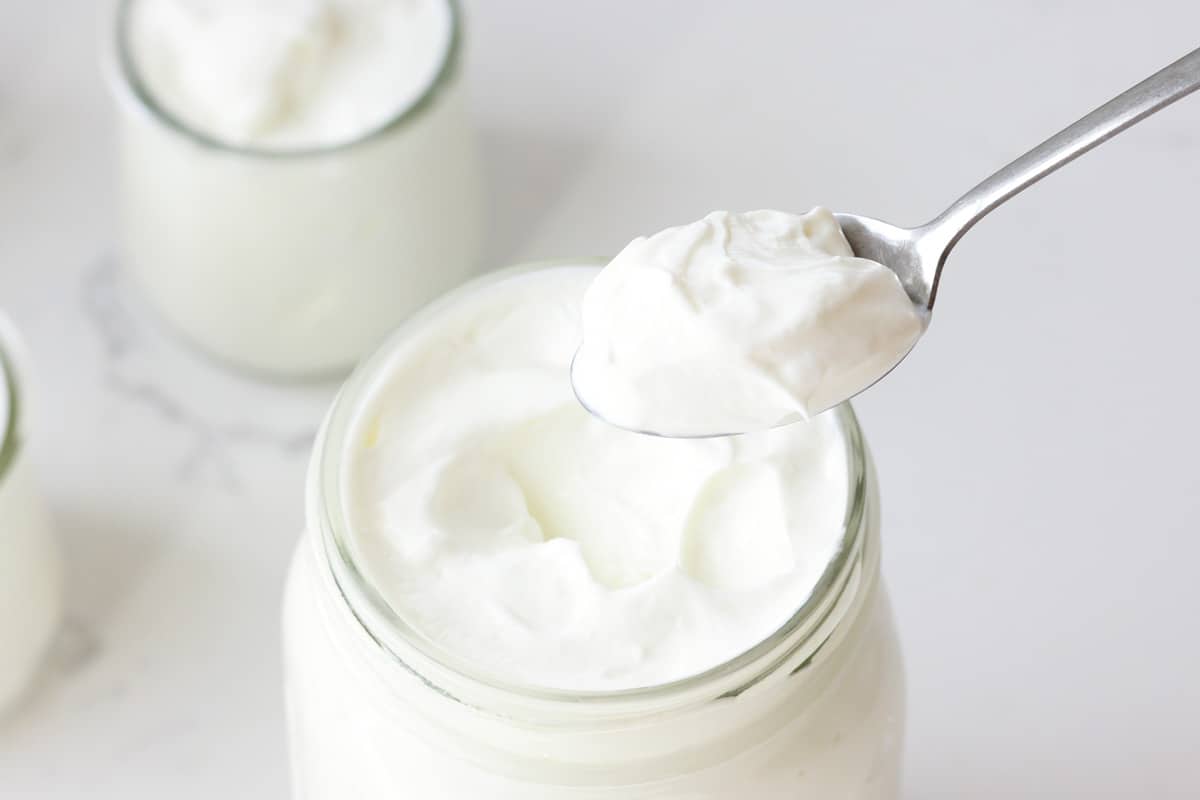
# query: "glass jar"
x,y
295,262
30,579
815,710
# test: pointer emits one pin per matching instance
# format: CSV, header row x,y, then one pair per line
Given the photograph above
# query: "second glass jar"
x,y
295,263
30,569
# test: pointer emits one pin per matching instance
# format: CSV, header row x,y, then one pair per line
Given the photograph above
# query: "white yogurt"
x,y
505,523
478,540
296,176
30,579
738,322
288,73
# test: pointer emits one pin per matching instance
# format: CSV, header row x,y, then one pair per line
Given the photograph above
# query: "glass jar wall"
x,y
30,579
816,709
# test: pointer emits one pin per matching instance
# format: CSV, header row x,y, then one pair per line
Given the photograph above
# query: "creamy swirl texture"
x,y
738,322
510,528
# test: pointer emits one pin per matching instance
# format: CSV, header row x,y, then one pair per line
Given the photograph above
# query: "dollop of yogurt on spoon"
x,y
736,323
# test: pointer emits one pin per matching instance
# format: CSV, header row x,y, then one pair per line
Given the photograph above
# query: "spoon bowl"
x,y
905,251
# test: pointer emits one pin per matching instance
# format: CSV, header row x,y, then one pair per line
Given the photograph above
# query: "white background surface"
x,y
1041,492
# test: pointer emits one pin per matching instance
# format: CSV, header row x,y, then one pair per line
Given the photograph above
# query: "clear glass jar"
x,y
816,710
296,262
30,572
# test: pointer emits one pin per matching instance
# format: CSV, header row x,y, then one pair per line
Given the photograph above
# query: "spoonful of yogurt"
x,y
745,321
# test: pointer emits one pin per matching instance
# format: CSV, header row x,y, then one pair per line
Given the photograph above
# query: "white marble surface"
x,y
1036,452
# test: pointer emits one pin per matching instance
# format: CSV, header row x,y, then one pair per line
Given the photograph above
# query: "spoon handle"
x,y
1156,92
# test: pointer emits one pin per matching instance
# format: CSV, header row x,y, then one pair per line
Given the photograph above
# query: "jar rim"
x,y
126,84
437,667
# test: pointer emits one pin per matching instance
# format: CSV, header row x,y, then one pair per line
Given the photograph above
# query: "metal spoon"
x,y
917,255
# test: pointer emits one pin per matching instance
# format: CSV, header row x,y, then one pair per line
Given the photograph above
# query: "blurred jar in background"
x,y
295,176
30,577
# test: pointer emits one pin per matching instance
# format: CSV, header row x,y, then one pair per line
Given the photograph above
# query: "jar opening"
x,y
128,86
450,673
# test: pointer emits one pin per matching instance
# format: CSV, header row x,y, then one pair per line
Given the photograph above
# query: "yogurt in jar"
x,y
30,572
296,176
288,74
501,596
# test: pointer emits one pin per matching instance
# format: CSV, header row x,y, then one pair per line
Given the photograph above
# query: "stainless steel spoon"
x,y
917,255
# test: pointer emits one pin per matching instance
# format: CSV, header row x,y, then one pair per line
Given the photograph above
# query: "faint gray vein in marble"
x,y
122,334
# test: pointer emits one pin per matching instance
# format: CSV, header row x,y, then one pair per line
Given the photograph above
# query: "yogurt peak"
x,y
738,322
